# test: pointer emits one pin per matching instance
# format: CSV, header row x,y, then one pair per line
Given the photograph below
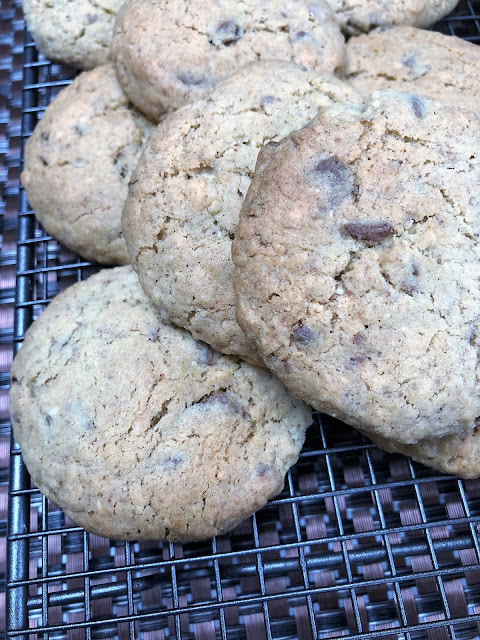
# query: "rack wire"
x,y
360,544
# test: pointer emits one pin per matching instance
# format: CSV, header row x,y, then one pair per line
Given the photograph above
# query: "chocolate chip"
x,y
44,161
44,136
91,18
353,362
153,335
48,420
288,366
79,130
304,335
332,166
418,107
300,35
227,33
409,61
267,100
263,469
334,179
190,79
369,231
358,339
173,462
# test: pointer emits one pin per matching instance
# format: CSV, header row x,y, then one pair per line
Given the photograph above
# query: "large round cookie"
x,y
77,32
78,162
170,53
187,190
357,265
458,454
138,431
357,16
409,59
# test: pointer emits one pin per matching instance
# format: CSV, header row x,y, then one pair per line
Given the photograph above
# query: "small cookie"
x,y
457,454
357,16
358,265
170,53
138,431
74,32
188,188
78,162
409,59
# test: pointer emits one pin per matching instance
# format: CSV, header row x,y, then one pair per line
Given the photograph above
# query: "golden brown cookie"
x,y
77,32
188,188
170,53
357,265
78,162
139,431
418,61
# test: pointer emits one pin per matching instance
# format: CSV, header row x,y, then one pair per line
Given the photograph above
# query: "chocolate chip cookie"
x,y
409,59
458,454
78,162
170,53
187,190
358,265
139,431
76,32
357,16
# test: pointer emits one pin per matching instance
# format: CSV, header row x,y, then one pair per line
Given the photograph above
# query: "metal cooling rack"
x,y
360,543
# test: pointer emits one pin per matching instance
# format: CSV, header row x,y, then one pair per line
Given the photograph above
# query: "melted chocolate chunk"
x,y
190,79
353,362
418,107
263,469
304,335
174,461
227,33
409,61
369,231
334,179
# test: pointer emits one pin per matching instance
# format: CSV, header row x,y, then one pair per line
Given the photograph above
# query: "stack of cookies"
x,y
297,226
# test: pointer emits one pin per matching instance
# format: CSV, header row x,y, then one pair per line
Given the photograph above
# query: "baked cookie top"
x,y
357,265
188,188
137,430
409,59
78,162
357,16
170,53
77,32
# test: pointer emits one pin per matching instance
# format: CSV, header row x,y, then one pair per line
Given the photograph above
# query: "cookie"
x,y
409,59
170,53
75,32
137,430
358,16
78,162
358,265
188,188
457,454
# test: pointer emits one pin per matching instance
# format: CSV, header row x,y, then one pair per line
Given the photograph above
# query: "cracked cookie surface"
x,y
78,162
418,61
357,265
186,193
357,16
76,32
170,53
137,430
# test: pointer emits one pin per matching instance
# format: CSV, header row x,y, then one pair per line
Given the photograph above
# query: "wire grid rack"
x,y
360,543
